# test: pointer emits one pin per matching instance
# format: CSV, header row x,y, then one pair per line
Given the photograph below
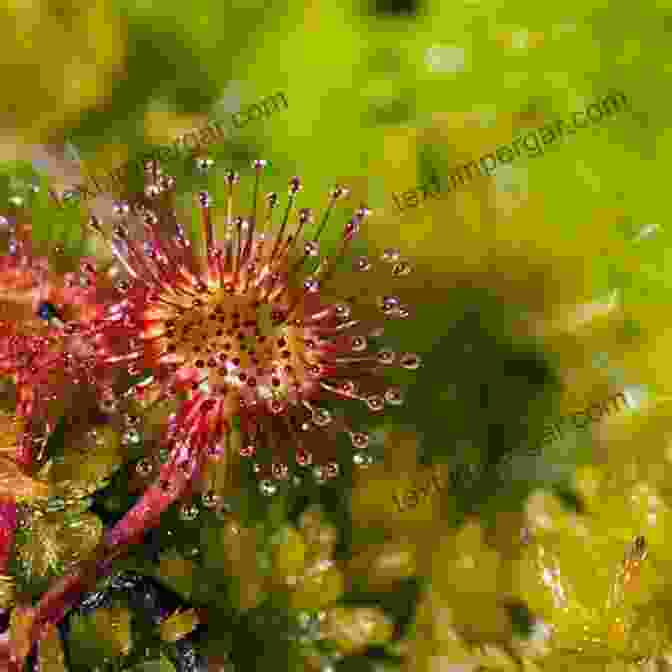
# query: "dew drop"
x,y
361,264
375,402
340,191
343,311
188,512
386,356
311,248
204,199
109,404
210,499
389,304
394,396
144,467
131,437
121,208
362,459
205,164
267,488
410,361
359,344
321,417
295,185
311,285
360,440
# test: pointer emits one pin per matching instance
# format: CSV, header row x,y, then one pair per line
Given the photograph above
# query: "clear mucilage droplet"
x,y
311,248
410,361
189,512
360,440
362,264
204,165
311,285
267,488
362,459
375,402
144,467
389,304
386,356
394,396
359,344
343,311
321,417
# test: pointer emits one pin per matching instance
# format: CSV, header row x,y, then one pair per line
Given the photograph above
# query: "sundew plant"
x,y
302,393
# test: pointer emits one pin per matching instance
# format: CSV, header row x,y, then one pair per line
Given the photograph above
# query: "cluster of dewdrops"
x,y
391,307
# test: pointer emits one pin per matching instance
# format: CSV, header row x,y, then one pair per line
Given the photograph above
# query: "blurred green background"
x,y
535,293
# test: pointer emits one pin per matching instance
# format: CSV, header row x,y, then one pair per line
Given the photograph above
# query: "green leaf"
x,y
522,619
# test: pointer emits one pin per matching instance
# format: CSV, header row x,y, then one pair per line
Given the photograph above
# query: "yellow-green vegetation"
x,y
535,293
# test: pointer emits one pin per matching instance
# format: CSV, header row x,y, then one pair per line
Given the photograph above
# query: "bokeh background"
x,y
535,292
